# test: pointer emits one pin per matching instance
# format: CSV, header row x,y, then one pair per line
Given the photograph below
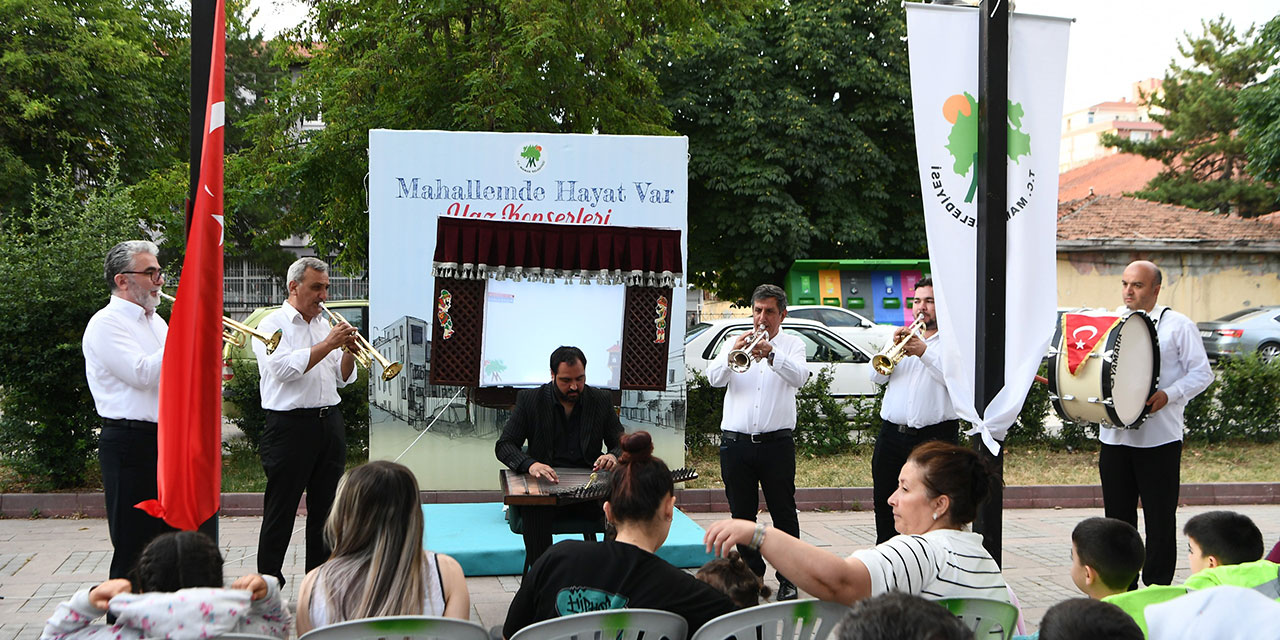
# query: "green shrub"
x,y
1202,417
706,409
243,391
51,257
1030,426
1249,399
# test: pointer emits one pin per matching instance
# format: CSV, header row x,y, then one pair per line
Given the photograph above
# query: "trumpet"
x,y
887,359
236,334
364,352
741,359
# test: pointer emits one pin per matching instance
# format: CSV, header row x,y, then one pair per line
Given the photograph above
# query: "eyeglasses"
x,y
154,274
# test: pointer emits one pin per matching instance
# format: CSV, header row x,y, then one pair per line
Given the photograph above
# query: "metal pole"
x,y
202,12
993,95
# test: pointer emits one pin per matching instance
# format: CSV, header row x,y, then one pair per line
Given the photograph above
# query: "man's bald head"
x,y
1140,285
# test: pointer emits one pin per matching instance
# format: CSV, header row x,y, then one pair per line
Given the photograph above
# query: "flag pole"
x,y
202,12
992,231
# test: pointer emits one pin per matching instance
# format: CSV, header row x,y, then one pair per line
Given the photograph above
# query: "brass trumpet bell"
x,y
236,334
364,352
887,359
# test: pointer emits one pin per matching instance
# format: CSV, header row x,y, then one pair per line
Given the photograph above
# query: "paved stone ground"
x,y
43,562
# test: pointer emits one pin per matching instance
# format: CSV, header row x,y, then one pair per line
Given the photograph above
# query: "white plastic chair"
x,y
400,628
807,619
987,618
613,624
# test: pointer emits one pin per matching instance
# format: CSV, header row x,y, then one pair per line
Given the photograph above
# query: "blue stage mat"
x,y
477,536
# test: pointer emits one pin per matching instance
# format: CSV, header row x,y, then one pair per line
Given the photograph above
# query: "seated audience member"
x,y
1215,538
939,490
1106,556
900,616
1087,619
378,566
734,578
576,576
174,591
1222,613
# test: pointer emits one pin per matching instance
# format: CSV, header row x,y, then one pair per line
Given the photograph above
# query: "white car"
x,y
854,327
823,347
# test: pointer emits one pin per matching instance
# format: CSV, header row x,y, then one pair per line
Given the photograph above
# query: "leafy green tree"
x,y
1259,109
52,257
89,81
1204,157
801,141
552,66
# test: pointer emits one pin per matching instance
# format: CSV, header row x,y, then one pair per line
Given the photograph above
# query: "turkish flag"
x,y
189,474
1081,334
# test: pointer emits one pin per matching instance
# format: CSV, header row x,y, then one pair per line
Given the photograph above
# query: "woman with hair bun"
x,y
577,576
934,556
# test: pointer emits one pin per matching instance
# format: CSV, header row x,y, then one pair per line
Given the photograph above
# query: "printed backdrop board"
x,y
416,177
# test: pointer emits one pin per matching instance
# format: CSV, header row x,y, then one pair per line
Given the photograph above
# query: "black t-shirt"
x,y
576,577
568,438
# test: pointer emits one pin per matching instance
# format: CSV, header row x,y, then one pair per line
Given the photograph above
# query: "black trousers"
x,y
127,456
893,447
540,521
768,467
1153,474
301,451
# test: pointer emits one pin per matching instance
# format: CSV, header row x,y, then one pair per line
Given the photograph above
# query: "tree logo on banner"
x,y
962,112
530,158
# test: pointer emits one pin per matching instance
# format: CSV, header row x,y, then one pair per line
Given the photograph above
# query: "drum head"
x,y
1131,378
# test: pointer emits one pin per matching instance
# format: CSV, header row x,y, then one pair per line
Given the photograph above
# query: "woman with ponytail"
x,y
576,576
934,556
378,567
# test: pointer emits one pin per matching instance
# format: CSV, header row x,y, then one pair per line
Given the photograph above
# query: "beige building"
x,y
1213,264
1128,118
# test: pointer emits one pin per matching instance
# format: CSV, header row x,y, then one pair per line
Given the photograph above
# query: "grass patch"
x,y
242,468
1023,465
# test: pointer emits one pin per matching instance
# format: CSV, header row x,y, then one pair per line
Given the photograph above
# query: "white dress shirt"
x,y
763,398
286,383
123,348
917,393
1184,373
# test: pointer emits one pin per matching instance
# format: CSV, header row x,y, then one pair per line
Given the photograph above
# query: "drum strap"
x,y
1159,316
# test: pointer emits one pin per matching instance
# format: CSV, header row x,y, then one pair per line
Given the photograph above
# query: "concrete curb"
x,y
91,505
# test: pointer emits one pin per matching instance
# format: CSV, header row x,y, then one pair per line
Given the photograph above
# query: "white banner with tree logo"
x,y
943,47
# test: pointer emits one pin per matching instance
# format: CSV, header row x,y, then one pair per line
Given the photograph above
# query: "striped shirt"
x,y
943,563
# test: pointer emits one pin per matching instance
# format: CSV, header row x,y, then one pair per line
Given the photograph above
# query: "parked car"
x,y
823,348
355,311
854,327
1256,329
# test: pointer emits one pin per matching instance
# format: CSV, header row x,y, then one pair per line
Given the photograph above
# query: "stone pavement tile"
x,y
12,563
20,630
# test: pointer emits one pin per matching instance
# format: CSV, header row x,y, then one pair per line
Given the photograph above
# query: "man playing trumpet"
x,y
757,451
916,406
303,444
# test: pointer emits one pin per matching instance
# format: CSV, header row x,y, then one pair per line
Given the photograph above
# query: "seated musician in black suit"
x,y
567,424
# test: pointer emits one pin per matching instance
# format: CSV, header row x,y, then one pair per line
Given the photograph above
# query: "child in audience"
x,y
900,616
731,575
175,591
1215,538
1106,556
378,567
1087,619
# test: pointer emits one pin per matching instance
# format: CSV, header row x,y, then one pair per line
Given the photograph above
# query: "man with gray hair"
x,y
123,346
757,452
303,445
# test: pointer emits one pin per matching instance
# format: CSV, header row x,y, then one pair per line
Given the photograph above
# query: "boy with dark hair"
x,y
1085,619
1217,538
1106,556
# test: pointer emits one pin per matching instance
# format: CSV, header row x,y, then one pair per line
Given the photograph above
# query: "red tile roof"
x,y
1110,221
1111,175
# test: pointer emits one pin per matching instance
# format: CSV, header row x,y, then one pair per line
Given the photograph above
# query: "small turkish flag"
x,y
1081,334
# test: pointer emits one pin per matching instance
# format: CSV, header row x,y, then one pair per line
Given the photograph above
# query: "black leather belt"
x,y
755,438
309,412
129,424
902,428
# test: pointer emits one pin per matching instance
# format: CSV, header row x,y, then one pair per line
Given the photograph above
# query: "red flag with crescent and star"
x,y
189,436
1081,334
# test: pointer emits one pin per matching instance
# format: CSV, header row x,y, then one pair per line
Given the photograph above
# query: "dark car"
x,y
1243,332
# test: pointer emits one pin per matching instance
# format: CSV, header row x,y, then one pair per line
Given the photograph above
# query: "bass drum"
x,y
1111,386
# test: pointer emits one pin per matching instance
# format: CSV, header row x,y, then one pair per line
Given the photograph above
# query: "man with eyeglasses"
x,y
123,346
916,407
